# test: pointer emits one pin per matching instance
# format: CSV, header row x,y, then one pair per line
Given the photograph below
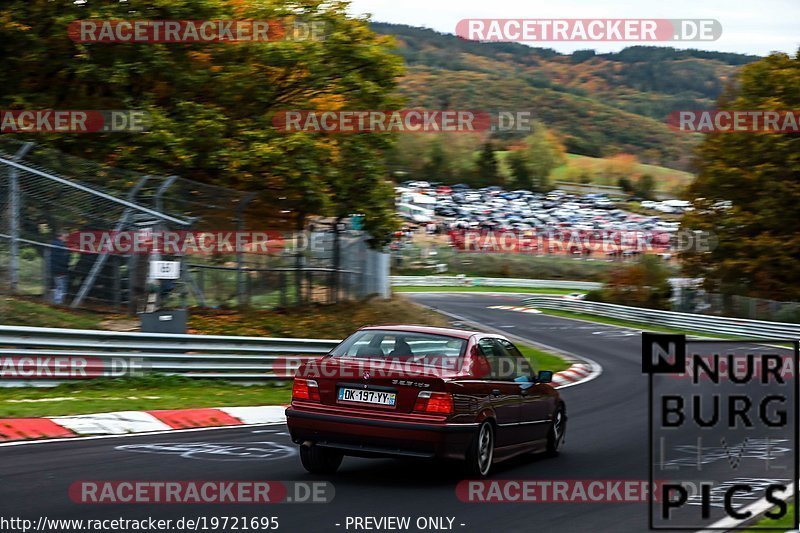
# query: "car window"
x,y
522,366
505,360
415,348
497,359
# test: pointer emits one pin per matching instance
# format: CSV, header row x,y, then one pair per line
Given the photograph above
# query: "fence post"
x,y
13,178
282,283
240,279
117,283
46,273
131,284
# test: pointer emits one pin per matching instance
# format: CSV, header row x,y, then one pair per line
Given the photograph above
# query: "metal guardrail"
x,y
671,319
196,356
449,281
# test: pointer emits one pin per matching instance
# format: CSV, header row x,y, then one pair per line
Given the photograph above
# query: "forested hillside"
x,y
600,104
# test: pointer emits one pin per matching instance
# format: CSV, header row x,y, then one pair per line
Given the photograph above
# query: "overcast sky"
x,y
748,26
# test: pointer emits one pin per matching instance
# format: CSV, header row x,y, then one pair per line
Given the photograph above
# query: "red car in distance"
x,y
426,392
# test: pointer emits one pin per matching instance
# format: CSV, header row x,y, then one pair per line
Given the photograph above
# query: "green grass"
x,y
781,524
542,360
149,392
596,170
482,288
23,312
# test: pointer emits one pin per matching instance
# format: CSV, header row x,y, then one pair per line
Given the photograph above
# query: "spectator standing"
x,y
59,267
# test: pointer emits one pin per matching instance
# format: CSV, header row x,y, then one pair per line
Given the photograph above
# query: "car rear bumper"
x,y
371,437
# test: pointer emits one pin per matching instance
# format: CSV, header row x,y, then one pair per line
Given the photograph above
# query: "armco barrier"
x,y
670,319
450,281
207,356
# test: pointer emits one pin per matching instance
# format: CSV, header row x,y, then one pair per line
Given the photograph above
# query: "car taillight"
x,y
305,389
434,402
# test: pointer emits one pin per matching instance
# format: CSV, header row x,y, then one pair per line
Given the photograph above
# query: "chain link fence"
x,y
45,193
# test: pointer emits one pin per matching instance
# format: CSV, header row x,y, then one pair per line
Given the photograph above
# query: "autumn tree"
x,y
212,104
644,283
759,174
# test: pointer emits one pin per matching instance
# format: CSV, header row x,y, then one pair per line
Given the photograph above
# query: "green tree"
x,y
544,153
520,171
437,165
645,186
625,184
759,174
486,170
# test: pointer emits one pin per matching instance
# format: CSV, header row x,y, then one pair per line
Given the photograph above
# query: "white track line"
x,y
97,437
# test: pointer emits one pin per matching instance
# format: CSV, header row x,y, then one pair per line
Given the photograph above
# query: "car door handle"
x,y
495,392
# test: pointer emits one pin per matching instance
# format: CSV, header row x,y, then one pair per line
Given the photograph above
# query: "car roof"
x,y
414,328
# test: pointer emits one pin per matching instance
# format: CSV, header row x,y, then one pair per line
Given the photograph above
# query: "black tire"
x,y
558,428
319,460
480,454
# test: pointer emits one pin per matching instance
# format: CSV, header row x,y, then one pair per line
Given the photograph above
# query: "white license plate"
x,y
367,396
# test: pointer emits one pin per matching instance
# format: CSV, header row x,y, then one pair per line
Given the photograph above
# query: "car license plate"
x,y
367,396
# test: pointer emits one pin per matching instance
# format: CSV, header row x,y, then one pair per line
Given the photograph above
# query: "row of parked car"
x,y
461,207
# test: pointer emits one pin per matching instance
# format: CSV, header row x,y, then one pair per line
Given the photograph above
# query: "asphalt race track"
x,y
607,438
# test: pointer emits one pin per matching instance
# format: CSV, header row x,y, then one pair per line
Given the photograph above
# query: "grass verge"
x,y
542,360
312,321
784,523
22,312
174,392
482,288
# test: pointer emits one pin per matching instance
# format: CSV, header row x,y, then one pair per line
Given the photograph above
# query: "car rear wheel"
x,y
481,452
319,460
555,437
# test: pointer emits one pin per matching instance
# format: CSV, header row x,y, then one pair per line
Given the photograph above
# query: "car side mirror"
x,y
544,376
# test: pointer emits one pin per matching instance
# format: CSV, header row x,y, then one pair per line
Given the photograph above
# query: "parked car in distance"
x,y
575,296
424,392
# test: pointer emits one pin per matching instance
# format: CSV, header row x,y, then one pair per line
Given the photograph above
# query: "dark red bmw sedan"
x,y
416,391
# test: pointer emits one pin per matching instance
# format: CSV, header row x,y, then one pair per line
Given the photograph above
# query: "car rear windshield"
x,y
424,349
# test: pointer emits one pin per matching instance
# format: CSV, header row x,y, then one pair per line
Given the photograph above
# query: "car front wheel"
x,y
319,460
